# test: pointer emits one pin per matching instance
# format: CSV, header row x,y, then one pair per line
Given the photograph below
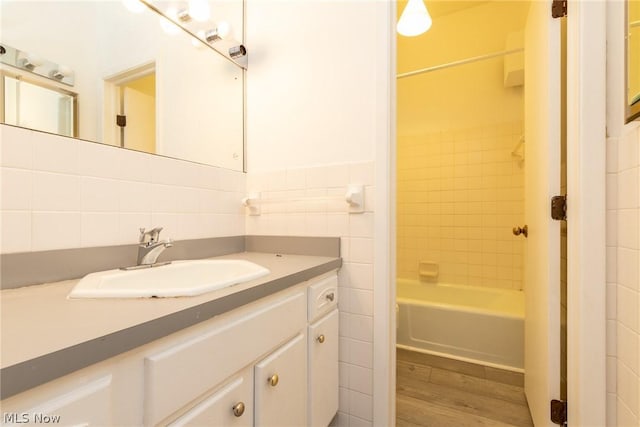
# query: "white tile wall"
x,y
623,277
460,193
290,214
62,193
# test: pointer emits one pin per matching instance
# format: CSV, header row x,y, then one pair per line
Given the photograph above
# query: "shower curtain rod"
x,y
461,62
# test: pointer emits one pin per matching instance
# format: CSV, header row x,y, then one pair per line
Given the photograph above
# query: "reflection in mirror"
x,y
633,60
134,85
35,106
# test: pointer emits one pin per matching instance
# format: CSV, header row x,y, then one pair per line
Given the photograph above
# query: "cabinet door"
x,y
281,386
186,369
232,405
323,370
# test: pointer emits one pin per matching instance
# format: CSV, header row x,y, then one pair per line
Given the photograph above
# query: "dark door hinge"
x,y
559,8
121,120
559,208
559,412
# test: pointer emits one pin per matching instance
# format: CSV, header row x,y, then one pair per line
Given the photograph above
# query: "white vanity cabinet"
x,y
323,370
186,370
323,351
80,402
281,385
261,364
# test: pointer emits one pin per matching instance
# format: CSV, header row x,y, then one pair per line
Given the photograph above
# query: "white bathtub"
x,y
480,325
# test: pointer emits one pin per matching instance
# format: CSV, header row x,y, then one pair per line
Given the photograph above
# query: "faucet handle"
x,y
150,236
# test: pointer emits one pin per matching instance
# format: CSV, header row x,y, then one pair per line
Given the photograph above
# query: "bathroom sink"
x,y
180,278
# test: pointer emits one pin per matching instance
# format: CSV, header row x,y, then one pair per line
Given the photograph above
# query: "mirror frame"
x,y
632,111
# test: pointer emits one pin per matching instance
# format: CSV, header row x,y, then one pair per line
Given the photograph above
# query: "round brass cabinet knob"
x,y
273,380
521,230
238,409
320,339
330,297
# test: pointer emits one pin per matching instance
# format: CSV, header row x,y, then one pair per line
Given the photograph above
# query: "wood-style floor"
x,y
440,392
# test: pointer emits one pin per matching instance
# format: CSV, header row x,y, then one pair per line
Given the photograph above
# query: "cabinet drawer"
x,y
231,406
187,370
281,384
323,370
323,297
82,405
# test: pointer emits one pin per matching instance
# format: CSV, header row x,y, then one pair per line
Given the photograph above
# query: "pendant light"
x,y
415,19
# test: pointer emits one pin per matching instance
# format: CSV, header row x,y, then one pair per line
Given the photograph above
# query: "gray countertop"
x,y
45,335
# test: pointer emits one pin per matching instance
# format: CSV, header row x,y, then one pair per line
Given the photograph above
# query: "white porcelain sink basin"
x,y
180,278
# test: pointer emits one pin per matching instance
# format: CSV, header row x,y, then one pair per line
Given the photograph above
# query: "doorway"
x,y
130,109
462,154
587,88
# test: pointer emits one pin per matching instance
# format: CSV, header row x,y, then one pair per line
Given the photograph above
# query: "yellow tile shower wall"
x,y
460,193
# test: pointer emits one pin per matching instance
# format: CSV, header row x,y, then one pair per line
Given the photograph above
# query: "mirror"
x,y
633,60
101,72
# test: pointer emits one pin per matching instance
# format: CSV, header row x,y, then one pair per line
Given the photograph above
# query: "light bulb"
x,y
32,61
167,25
223,29
199,10
415,19
61,72
197,41
135,6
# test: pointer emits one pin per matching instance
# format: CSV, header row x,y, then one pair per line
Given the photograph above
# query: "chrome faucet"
x,y
150,247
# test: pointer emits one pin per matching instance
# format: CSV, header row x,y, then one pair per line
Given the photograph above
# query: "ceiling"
x,y
438,8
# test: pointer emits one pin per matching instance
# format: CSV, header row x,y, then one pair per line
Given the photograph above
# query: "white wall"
x,y
318,95
60,193
623,237
313,69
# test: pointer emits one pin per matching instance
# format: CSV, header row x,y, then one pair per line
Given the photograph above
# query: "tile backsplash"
x,y
460,193
623,278
60,193
310,201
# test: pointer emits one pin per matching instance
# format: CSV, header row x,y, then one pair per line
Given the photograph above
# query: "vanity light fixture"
x,y
199,10
36,64
60,73
415,19
218,33
167,24
31,61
